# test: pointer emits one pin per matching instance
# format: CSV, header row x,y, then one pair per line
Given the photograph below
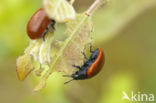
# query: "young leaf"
x,y
45,49
24,66
70,53
38,52
24,63
59,10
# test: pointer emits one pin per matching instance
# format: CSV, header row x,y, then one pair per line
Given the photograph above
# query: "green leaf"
x,y
59,10
54,55
70,52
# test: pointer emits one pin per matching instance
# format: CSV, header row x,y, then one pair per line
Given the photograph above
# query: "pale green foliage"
x,y
115,17
70,52
59,10
75,44
118,83
24,64
134,40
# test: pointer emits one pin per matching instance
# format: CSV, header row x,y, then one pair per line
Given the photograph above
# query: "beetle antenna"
x,y
67,76
68,81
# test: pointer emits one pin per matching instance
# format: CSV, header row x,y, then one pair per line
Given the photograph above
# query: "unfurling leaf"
x,y
59,10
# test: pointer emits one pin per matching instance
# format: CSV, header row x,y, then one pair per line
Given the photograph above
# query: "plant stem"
x,y
93,7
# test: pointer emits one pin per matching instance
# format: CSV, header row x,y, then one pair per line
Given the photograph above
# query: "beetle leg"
x,y
68,81
53,24
44,34
91,48
66,75
76,66
84,55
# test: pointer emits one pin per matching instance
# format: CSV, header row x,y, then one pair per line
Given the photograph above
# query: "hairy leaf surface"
x,y
70,52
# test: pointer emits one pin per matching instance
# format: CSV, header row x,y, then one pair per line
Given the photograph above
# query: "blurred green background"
x,y
125,29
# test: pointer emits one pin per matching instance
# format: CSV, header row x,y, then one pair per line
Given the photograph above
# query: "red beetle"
x,y
39,24
91,67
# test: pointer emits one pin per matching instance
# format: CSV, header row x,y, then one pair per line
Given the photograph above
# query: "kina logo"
x,y
140,97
